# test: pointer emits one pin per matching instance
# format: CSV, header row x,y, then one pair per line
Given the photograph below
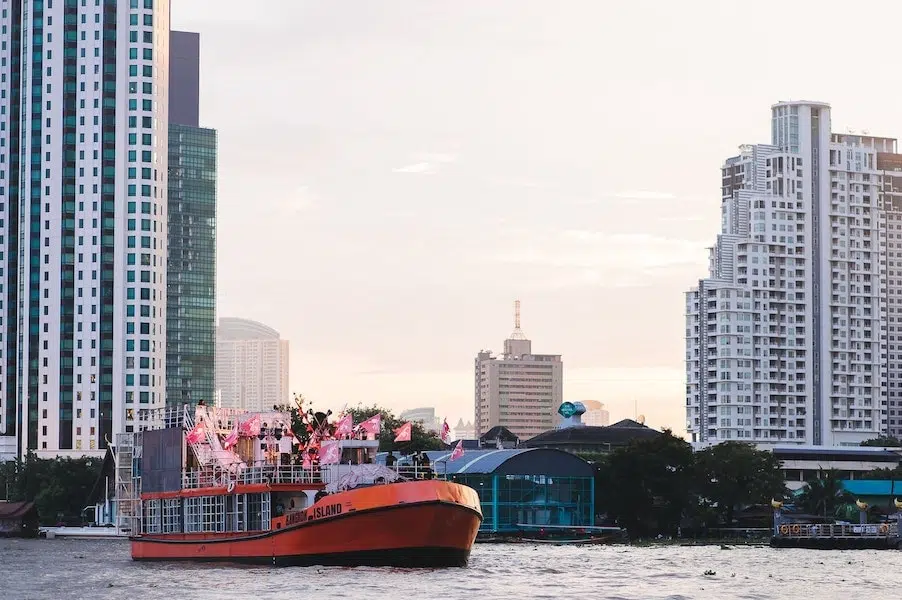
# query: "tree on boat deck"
x,y
59,487
646,487
825,495
731,475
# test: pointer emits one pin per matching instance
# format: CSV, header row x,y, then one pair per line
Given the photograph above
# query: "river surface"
x,y
75,569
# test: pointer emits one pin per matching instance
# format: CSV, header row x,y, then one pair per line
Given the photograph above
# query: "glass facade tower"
x,y
191,283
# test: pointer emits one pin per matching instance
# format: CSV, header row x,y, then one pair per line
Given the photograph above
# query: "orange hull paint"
x,y
422,523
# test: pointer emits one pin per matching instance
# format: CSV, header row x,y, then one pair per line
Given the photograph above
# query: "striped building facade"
x,y
83,161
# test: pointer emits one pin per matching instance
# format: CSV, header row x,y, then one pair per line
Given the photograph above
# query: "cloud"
x,y
302,200
428,163
581,257
423,168
644,195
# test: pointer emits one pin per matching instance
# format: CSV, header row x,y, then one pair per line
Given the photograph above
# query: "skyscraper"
x,y
251,365
83,178
191,276
520,390
785,340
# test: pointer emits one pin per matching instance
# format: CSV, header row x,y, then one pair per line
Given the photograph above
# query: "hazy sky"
x,y
393,174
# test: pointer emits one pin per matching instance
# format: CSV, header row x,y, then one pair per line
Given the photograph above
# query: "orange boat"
x,y
195,500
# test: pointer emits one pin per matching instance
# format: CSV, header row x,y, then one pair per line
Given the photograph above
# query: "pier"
x,y
837,536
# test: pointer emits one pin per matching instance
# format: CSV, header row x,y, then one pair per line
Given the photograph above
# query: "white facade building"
x,y
425,416
83,177
251,365
596,414
785,340
519,390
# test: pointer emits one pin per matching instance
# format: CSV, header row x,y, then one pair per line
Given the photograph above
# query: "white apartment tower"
x,y
786,338
83,176
520,390
251,365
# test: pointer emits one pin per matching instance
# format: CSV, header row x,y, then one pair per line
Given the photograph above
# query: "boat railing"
x,y
250,475
838,530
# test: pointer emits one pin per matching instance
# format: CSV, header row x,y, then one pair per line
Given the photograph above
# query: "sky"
x,y
393,174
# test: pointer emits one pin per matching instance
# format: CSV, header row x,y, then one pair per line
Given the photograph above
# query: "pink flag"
x,y
446,432
307,464
458,451
373,424
329,453
251,427
402,433
231,439
196,435
345,426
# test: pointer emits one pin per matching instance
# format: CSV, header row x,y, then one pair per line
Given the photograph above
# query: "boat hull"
x,y
414,524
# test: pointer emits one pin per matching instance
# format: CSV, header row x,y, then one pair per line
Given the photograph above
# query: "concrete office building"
x,y
83,182
519,390
251,365
191,265
786,339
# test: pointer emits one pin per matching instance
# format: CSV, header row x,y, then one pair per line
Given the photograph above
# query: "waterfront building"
x,y
592,439
786,339
83,211
191,264
518,390
523,487
251,365
425,416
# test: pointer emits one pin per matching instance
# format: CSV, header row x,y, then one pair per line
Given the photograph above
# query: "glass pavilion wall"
x,y
511,500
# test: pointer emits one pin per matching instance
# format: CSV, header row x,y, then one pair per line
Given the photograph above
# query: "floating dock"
x,y
829,536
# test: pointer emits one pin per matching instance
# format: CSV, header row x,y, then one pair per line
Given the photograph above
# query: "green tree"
x,y
646,487
824,495
420,437
883,442
733,474
59,487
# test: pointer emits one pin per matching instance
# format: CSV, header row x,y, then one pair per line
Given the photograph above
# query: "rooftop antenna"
x,y
518,333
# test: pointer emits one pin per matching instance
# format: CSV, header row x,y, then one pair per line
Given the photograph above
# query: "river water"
x,y
72,569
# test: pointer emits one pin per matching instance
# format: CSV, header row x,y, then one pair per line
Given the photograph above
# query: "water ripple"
x,y
70,570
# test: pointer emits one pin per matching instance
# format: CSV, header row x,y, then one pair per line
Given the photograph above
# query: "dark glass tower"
x,y
191,267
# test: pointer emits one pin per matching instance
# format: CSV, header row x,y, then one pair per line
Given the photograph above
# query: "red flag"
x,y
231,439
196,435
402,433
345,426
251,427
458,451
372,425
446,432
329,453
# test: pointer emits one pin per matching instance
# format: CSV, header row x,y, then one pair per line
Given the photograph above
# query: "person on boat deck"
x,y
427,468
390,460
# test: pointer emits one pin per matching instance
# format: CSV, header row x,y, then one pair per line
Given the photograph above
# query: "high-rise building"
x,y
786,338
425,416
596,414
83,178
520,390
251,365
191,265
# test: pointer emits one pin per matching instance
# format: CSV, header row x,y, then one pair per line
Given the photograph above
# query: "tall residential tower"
x,y
251,365
83,180
520,390
786,338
